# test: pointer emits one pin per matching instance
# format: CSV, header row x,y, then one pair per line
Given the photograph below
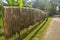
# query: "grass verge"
x,y
38,32
1,22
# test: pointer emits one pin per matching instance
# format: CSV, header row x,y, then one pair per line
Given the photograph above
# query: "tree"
x,y
11,2
20,2
39,4
24,2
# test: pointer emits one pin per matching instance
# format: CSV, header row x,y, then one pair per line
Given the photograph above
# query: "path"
x,y
53,32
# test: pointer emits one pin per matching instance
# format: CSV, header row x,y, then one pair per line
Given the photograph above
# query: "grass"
x,y
1,21
37,33
40,34
1,27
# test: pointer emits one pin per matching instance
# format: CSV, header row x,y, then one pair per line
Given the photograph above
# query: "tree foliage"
x,y
11,2
20,2
46,5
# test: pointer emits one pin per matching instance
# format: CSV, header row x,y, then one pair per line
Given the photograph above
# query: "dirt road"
x,y
53,31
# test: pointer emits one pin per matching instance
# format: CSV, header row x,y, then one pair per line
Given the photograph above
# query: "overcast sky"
x,y
5,1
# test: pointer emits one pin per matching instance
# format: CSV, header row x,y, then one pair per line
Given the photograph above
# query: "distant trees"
x,y
47,5
38,4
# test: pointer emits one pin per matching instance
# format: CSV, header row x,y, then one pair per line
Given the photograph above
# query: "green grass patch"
x,y
40,34
0,11
37,33
1,22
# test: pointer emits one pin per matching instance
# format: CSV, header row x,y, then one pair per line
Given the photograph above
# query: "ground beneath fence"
x,y
53,31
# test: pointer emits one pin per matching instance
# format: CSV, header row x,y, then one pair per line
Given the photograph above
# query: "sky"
x,y
4,1
57,8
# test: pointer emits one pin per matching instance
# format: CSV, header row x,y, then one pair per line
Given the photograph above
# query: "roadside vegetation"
x,y
50,7
37,33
